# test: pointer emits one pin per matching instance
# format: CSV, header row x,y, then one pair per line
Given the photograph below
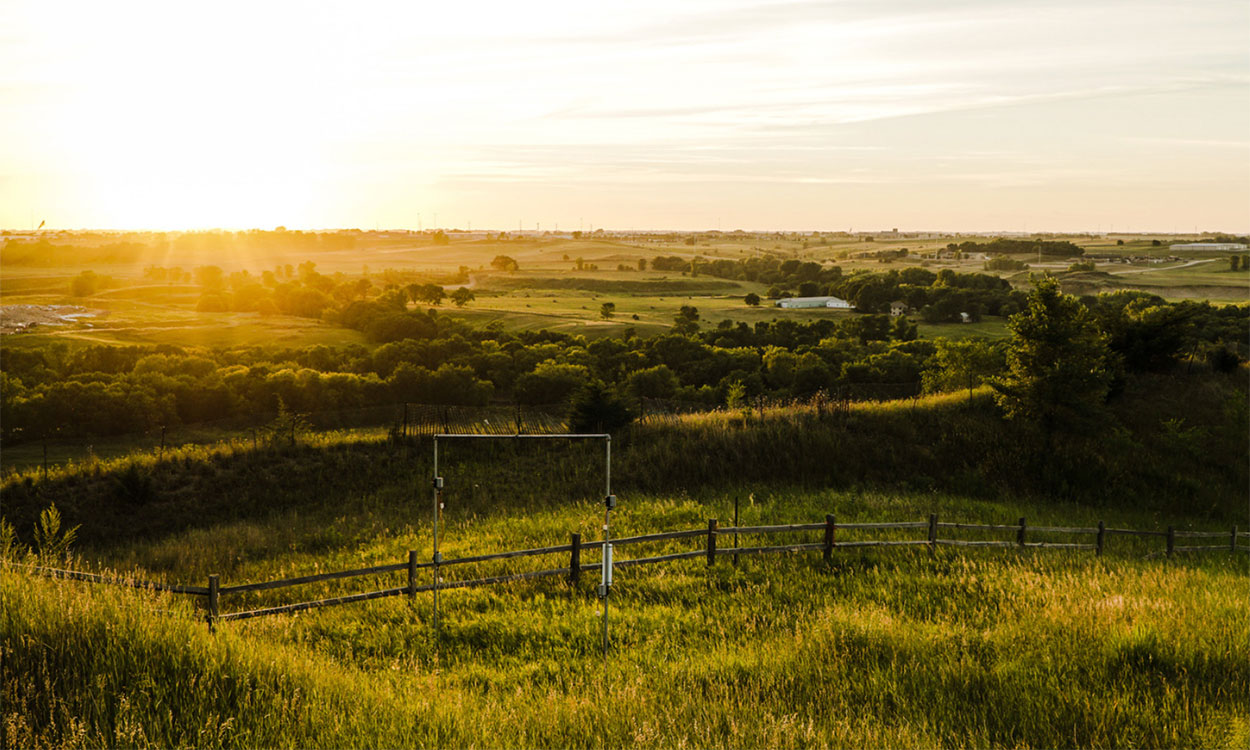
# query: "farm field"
x,y
548,292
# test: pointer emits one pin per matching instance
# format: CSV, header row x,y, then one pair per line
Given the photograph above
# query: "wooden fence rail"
x,y
710,551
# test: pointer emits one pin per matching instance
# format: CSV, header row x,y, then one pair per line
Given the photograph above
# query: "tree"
x,y
961,364
642,264
431,294
211,278
86,283
1233,262
598,409
653,382
462,296
752,299
504,263
1059,366
687,320
607,309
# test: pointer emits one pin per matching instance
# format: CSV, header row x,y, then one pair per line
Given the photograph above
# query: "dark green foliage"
x,y
687,320
1223,359
1059,367
133,485
597,408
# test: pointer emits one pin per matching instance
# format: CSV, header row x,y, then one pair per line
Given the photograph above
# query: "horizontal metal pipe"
x,y
566,436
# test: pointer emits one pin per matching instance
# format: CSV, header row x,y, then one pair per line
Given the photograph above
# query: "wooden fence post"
x,y
711,541
1171,540
1102,535
1020,533
736,526
830,530
1232,539
412,574
933,534
213,595
575,559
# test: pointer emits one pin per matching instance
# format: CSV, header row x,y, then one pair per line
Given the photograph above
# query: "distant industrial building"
x,y
831,302
1216,246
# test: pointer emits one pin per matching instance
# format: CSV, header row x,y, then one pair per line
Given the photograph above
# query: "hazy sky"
x,y
974,115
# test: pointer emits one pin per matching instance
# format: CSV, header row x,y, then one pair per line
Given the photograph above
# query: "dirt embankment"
x,y
18,318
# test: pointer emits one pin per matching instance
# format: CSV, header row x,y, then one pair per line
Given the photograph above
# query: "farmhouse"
x,y
831,302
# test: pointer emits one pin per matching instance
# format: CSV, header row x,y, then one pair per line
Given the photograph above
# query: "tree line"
x,y
99,390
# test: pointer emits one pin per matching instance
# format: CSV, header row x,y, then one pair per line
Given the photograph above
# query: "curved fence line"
x,y
828,545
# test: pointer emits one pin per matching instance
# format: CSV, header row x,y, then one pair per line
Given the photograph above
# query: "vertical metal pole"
x,y
1232,540
933,522
607,538
437,515
1102,537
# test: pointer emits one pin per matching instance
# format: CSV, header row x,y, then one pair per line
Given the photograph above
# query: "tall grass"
x,y
1036,648
1029,650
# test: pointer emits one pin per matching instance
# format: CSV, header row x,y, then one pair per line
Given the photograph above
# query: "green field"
x,y
548,292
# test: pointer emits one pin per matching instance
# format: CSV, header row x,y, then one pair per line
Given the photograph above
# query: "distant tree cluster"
x,y
1063,349
1033,247
1004,263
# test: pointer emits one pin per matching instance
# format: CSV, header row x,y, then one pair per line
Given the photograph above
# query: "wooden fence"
x,y
711,535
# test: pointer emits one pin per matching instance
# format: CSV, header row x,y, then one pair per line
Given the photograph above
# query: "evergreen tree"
x,y
1059,366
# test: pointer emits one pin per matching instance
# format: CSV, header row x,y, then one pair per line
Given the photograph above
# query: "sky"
x,y
964,115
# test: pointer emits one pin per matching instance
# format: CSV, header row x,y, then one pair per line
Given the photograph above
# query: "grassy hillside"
x,y
980,648
889,648
1173,445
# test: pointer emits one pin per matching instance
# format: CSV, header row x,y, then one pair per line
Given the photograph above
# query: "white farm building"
x,y
1218,246
835,303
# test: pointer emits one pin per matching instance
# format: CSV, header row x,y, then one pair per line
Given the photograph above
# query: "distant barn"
x,y
832,302
1219,246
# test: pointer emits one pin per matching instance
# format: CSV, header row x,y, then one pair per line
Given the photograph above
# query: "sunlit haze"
x,y
990,116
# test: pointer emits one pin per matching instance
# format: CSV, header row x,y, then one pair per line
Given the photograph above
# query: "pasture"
x,y
877,646
548,292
